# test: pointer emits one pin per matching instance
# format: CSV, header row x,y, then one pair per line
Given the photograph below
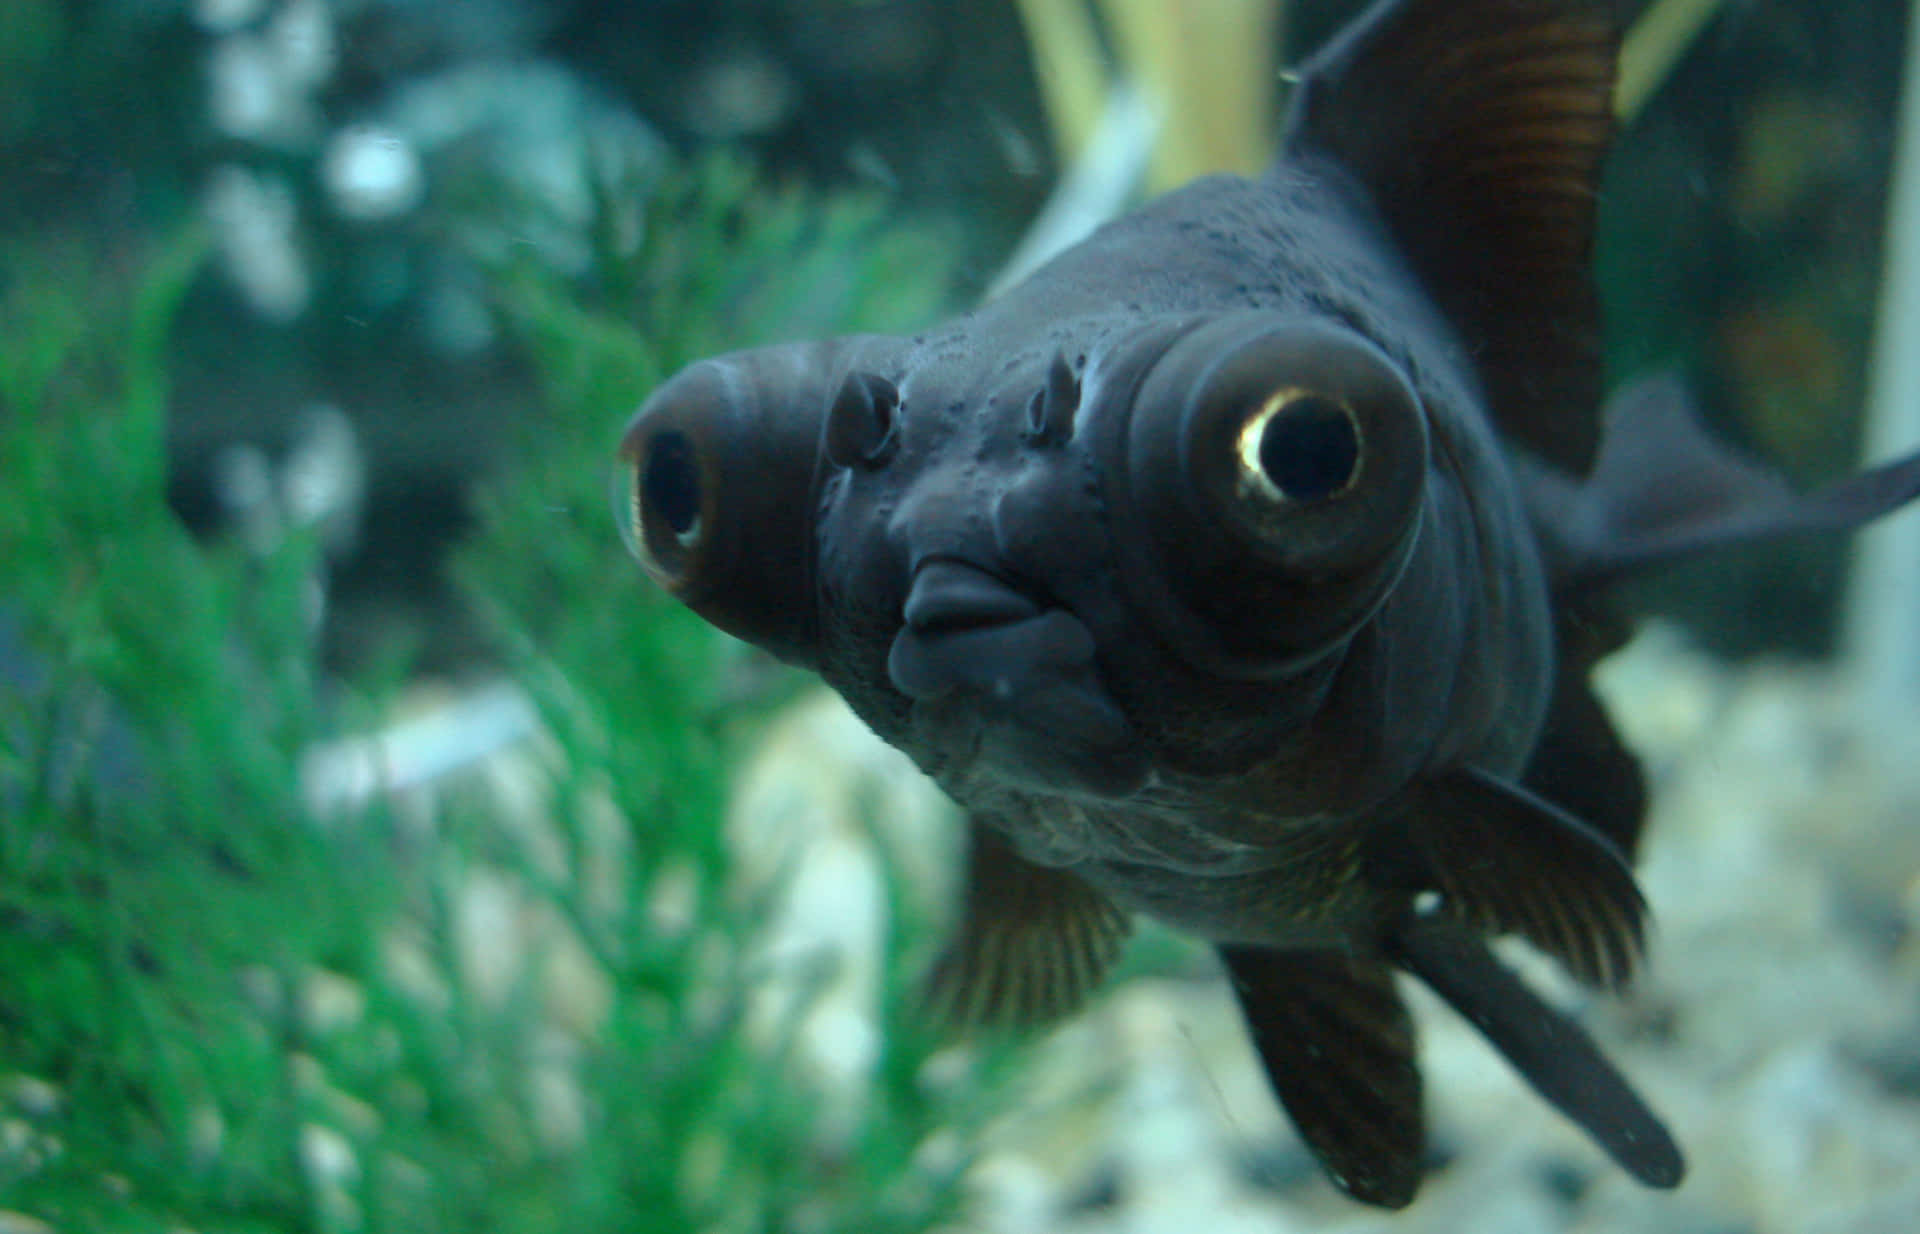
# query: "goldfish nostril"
x,y
862,422
1051,410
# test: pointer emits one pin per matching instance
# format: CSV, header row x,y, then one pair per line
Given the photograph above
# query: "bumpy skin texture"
x,y
1445,662
1218,570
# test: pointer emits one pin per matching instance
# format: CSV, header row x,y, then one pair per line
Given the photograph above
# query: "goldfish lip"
x,y
1009,683
968,631
952,595
1003,662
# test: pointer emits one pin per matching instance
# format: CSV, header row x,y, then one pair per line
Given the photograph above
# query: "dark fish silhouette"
x,y
1241,567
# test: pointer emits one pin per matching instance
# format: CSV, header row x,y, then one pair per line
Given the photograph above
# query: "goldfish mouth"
x,y
1019,681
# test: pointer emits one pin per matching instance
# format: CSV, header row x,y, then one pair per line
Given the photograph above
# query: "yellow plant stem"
x,y
1653,46
1070,69
1210,67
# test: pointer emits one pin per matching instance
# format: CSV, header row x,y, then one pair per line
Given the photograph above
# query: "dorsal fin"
x,y
1478,127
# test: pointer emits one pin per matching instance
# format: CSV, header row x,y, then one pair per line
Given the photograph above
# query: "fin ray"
x,y
1506,861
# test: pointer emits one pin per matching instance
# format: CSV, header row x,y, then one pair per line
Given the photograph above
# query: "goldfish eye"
x,y
1276,466
723,471
1301,440
861,422
1301,447
667,518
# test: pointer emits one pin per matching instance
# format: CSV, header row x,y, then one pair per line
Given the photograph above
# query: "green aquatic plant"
x,y
512,1011
704,1128
157,877
1208,68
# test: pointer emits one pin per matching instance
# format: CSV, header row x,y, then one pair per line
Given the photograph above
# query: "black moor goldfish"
x,y
1243,567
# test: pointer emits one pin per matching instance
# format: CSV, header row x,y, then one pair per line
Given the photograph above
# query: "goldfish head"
x,y
1047,561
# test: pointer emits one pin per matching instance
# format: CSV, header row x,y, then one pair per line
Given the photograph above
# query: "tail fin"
x,y
1663,490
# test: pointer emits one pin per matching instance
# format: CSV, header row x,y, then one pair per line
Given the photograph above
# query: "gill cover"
x,y
719,484
1274,467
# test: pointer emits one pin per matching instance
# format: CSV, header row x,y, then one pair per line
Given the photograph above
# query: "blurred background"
x,y
372,854
363,168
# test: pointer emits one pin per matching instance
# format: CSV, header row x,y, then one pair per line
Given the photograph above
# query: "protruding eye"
x,y
1277,465
667,519
670,485
1299,446
1301,439
861,422
719,482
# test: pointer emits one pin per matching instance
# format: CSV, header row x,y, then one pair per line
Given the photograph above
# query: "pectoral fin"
x,y
1032,944
1553,1053
1505,861
1338,1047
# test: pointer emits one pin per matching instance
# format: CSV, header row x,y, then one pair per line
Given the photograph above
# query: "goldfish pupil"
x,y
1310,449
670,486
